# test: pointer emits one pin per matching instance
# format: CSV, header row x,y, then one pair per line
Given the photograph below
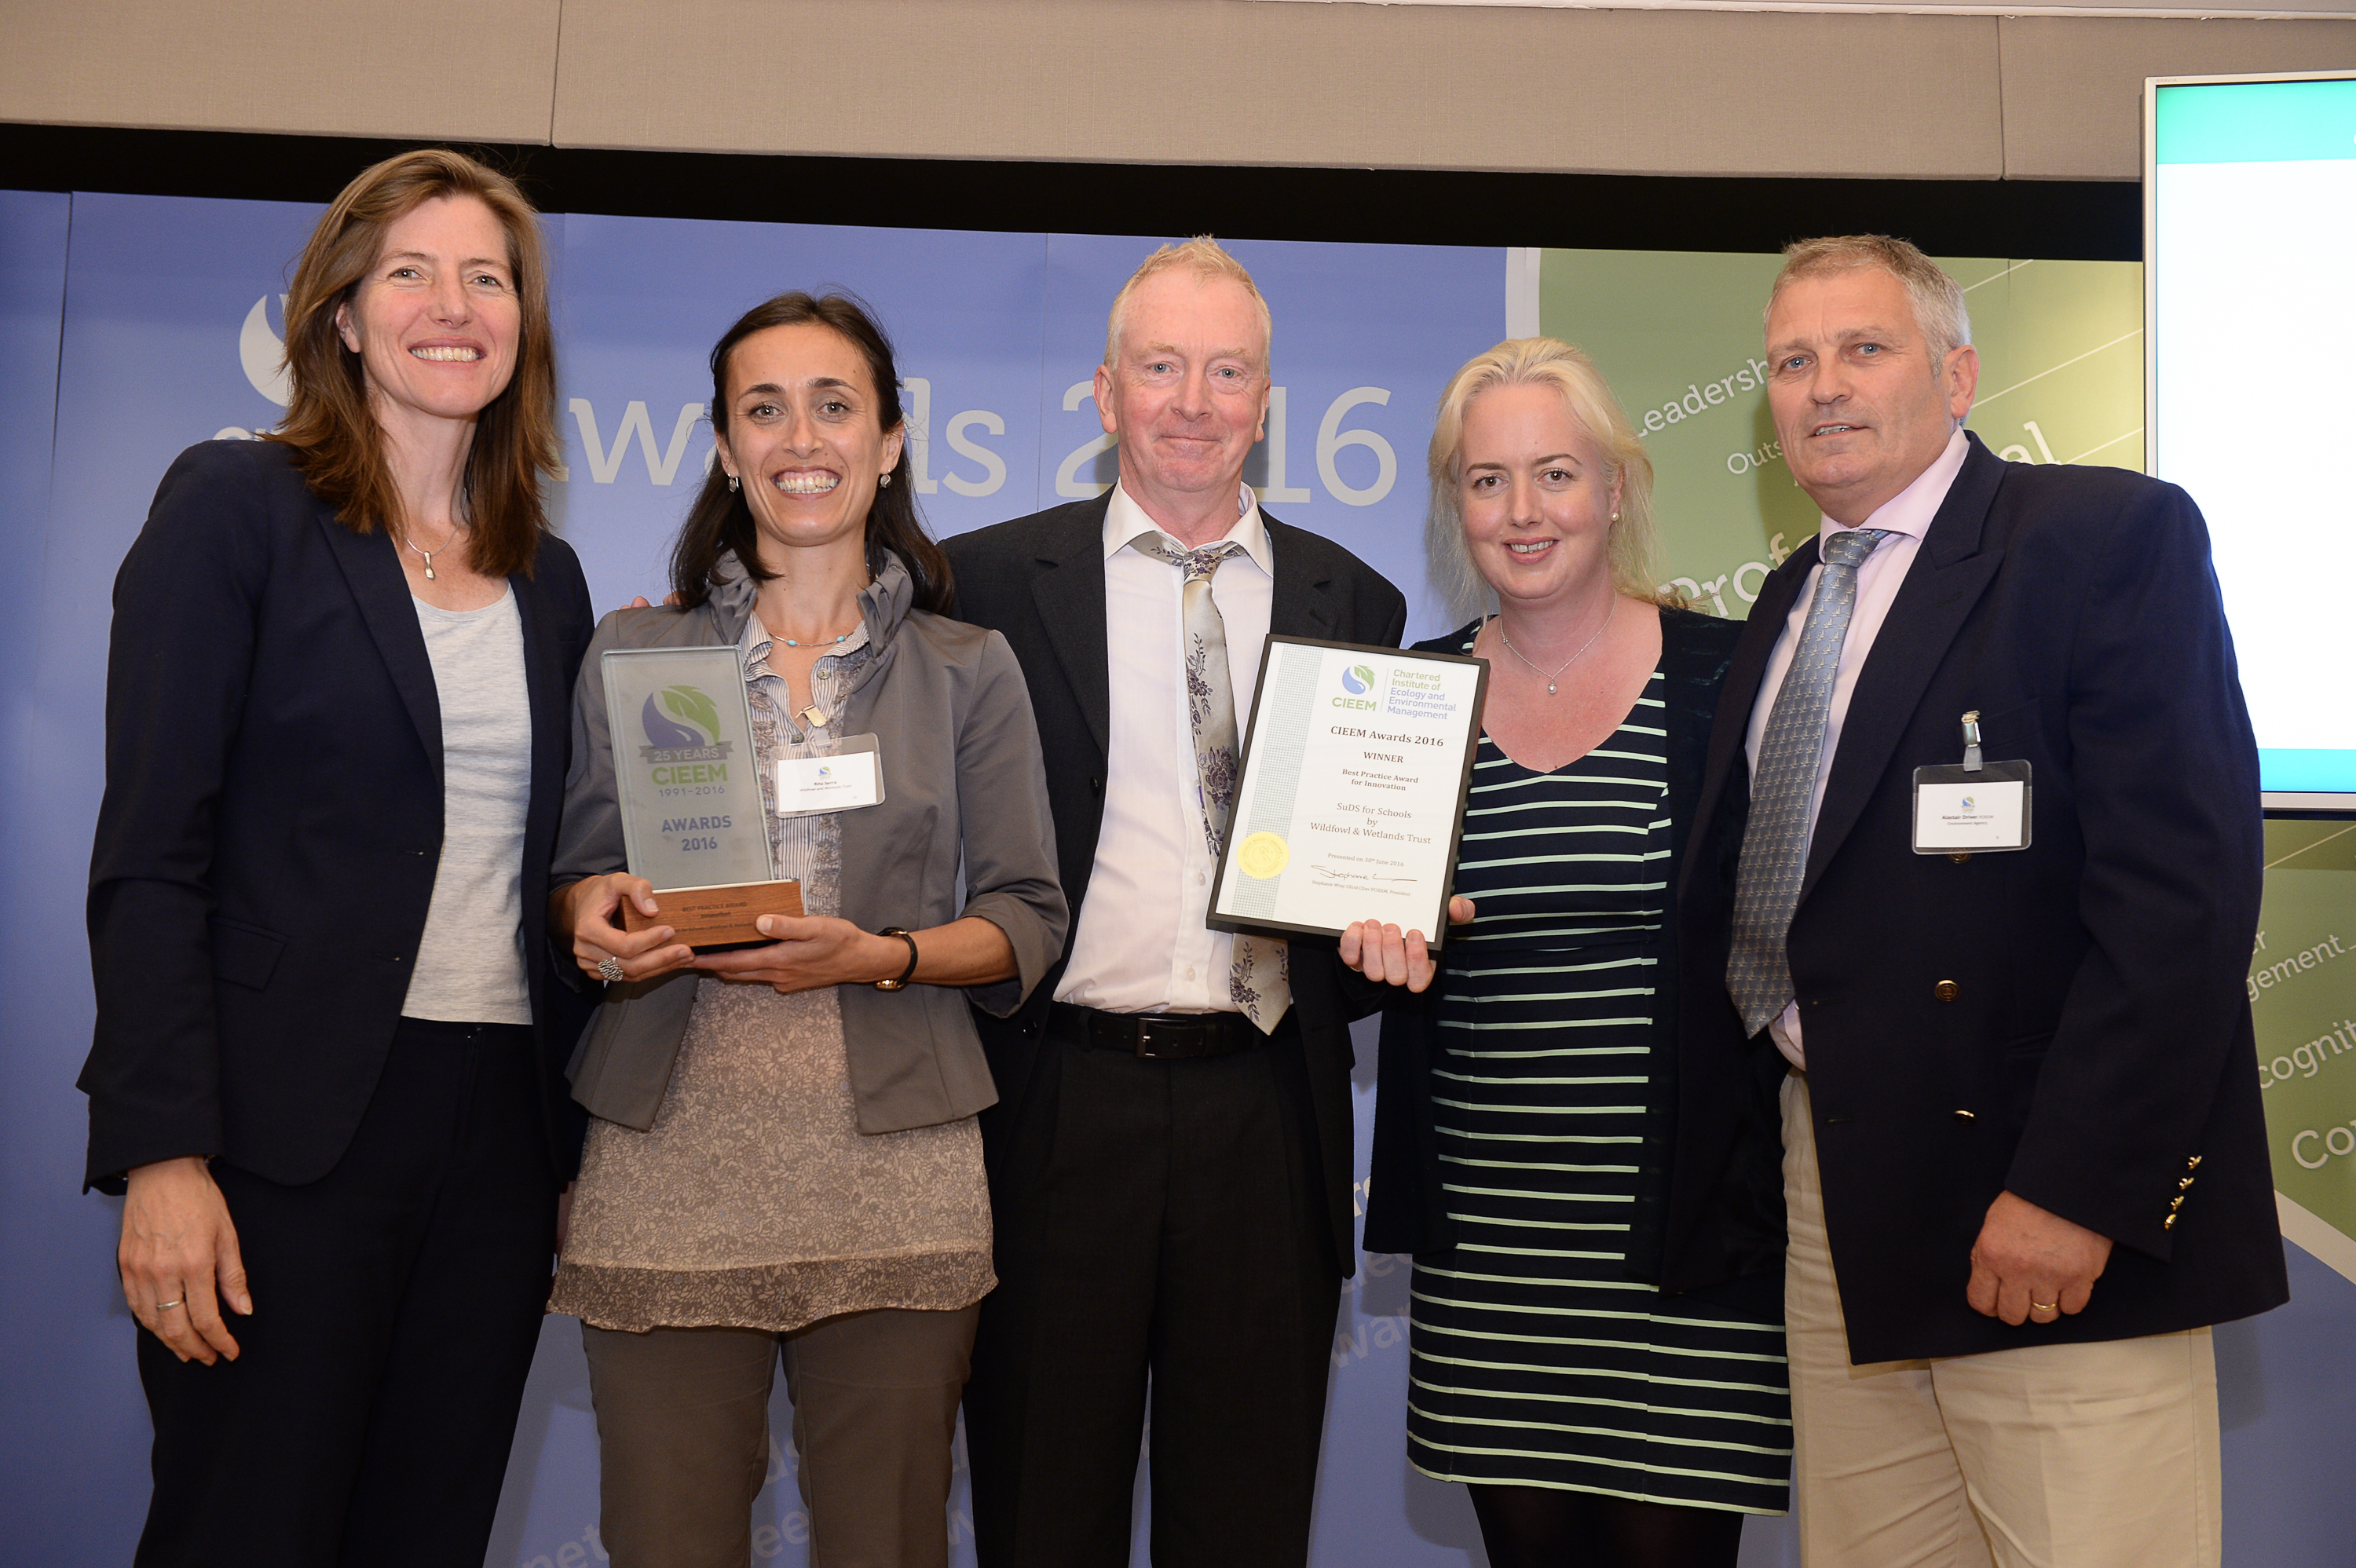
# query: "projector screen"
x,y
2250,280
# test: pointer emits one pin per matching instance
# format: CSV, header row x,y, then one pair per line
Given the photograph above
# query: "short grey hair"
x,y
1207,258
1938,299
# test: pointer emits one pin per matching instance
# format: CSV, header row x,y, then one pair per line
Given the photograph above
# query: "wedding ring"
x,y
611,968
166,1305
2044,1306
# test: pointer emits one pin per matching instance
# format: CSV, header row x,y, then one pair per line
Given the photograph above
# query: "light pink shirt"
x,y
1907,515
1140,944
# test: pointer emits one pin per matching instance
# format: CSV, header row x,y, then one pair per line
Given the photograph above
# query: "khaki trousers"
x,y
2101,1456
683,1437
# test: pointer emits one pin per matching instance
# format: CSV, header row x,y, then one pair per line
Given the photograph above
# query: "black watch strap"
x,y
906,975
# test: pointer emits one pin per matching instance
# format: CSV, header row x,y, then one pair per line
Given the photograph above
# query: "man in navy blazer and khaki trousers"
x,y
2024,1154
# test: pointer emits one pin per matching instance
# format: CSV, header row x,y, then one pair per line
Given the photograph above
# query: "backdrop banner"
x,y
133,327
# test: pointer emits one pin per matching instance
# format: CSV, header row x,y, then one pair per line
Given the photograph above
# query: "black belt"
x,y
1154,1036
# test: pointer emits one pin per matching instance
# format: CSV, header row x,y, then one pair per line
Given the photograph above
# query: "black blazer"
x,y
1040,582
2095,1054
1406,1208
273,820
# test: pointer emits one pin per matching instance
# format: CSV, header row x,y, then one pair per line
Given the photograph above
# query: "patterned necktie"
x,y
1259,980
1775,841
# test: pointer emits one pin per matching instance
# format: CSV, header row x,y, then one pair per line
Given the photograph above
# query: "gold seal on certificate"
x,y
690,788
1351,795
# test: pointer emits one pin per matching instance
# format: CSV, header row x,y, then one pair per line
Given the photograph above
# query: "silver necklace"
x,y
814,642
428,555
1566,663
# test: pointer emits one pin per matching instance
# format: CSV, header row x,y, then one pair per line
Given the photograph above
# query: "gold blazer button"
x,y
1946,990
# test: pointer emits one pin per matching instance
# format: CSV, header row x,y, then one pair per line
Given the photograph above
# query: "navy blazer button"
x,y
1959,856
1946,990
1966,1116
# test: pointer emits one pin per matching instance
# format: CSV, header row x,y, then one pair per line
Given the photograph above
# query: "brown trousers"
x,y
683,1437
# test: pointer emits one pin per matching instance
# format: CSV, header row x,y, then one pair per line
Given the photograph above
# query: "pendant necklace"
x,y
1566,663
814,642
427,554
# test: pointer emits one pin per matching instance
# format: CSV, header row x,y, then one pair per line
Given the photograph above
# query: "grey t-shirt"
x,y
470,960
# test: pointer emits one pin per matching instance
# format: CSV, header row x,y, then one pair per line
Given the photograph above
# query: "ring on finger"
x,y
167,1305
2045,1307
610,967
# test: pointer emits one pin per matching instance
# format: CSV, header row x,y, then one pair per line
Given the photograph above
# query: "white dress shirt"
x,y
1907,515
1138,944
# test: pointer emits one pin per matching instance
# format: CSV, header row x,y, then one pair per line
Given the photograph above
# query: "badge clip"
x,y
1979,808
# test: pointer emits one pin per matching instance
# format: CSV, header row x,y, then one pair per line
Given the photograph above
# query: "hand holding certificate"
x,y
1352,796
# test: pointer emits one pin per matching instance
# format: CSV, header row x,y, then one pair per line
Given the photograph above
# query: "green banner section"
x,y
1679,335
2303,995
2257,121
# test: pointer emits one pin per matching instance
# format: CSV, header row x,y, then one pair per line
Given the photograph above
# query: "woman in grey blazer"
x,y
783,1157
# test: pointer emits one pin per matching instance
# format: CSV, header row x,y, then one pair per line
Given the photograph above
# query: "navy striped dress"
x,y
1534,1361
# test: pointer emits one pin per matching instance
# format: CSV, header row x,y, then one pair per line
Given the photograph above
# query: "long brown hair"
x,y
339,445
721,520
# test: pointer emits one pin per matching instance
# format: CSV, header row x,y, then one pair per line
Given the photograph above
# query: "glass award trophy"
x,y
689,782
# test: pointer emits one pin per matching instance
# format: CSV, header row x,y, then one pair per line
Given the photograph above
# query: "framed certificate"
x,y
1355,770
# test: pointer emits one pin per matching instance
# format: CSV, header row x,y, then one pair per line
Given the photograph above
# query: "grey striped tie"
x,y
1775,841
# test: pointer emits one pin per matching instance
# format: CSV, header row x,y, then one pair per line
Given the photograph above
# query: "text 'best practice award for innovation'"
x,y
1354,773
690,786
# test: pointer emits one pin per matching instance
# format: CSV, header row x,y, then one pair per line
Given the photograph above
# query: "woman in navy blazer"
x,y
327,1060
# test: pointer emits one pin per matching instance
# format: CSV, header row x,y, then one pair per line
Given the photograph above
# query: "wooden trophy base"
x,y
710,918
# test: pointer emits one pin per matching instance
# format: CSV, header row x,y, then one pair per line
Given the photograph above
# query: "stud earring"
x,y
885,481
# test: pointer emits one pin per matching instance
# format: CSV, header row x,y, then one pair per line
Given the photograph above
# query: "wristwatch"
x,y
907,973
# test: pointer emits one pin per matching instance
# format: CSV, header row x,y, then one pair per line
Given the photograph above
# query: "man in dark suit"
x,y
2025,1157
1170,1156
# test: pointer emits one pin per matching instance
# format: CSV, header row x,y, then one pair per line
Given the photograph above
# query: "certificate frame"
x,y
1463,730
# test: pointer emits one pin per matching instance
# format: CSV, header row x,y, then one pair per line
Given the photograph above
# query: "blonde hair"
x,y
1937,298
1538,362
1206,259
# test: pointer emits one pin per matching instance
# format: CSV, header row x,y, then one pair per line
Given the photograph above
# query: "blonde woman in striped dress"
x,y
1525,1130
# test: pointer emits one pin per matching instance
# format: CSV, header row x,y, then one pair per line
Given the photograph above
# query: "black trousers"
x,y
396,1305
1158,1222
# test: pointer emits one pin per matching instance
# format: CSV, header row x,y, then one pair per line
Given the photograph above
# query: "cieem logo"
x,y
1357,679
681,725
262,357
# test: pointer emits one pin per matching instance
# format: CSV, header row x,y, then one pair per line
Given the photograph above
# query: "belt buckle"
x,y
1146,1026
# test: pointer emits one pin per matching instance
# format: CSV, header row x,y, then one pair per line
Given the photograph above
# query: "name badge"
x,y
844,778
1976,807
